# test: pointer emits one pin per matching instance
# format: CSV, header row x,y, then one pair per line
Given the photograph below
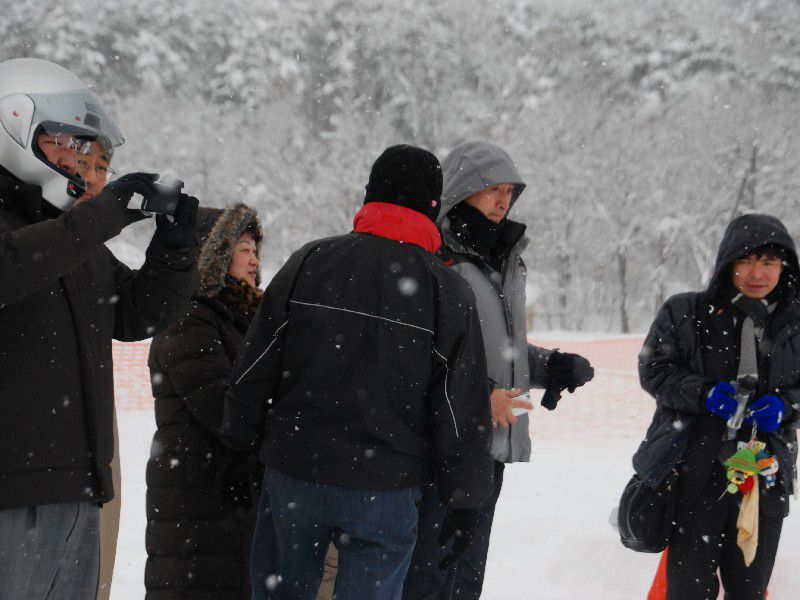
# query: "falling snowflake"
x,y
408,286
273,581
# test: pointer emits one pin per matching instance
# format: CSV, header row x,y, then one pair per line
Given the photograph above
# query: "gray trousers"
x,y
49,552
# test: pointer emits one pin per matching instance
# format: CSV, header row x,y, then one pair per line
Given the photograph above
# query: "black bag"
x,y
646,514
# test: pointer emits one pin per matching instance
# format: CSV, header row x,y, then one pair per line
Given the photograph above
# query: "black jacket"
x,y
365,369
693,344
194,483
63,297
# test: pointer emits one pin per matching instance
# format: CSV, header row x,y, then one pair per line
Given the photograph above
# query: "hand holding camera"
x,y
177,230
720,400
766,413
143,194
147,192
730,401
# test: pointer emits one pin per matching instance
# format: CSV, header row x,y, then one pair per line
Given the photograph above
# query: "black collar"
x,y
23,199
482,235
510,233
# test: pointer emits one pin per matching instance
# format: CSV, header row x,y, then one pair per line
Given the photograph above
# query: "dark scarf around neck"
x,y
757,310
240,296
477,232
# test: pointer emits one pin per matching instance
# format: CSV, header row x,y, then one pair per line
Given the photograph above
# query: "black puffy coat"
x,y
201,498
693,344
63,297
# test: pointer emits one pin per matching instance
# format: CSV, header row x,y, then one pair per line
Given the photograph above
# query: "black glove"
x,y
461,524
551,397
126,186
568,371
178,231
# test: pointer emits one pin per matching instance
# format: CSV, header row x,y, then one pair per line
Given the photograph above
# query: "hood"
x,y
215,256
206,217
748,233
472,167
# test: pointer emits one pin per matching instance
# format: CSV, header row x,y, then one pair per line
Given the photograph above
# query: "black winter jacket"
x,y
63,297
200,500
365,369
693,344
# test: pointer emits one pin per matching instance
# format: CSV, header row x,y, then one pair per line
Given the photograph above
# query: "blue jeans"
x,y
464,579
50,552
373,530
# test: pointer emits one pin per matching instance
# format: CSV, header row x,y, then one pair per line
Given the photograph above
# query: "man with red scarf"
x,y
362,378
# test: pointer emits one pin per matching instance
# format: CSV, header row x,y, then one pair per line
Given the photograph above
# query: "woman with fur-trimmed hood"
x,y
200,497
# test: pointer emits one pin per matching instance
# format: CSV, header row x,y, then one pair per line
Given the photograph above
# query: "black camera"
x,y
163,202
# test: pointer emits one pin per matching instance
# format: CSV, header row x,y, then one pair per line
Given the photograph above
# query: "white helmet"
x,y
40,96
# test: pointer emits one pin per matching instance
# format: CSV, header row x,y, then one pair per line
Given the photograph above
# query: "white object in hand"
x,y
533,396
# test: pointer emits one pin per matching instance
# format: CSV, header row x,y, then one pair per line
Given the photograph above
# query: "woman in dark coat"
x,y
200,497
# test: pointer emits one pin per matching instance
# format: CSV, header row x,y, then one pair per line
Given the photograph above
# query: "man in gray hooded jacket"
x,y
481,185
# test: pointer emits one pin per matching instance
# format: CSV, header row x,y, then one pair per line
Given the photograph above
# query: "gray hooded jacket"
x,y
500,296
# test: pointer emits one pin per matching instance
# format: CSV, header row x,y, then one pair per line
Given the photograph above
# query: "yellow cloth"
x,y
747,525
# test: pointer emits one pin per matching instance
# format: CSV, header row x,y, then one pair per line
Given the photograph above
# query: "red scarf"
x,y
398,223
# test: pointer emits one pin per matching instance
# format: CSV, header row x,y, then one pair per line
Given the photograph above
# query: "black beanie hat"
x,y
407,176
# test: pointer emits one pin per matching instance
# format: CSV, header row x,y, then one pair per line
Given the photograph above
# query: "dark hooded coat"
x,y
694,344
200,497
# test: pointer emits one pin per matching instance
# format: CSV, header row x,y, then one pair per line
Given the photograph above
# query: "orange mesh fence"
x,y
612,404
132,389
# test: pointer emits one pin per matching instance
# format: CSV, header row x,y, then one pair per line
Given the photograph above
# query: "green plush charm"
x,y
750,460
741,466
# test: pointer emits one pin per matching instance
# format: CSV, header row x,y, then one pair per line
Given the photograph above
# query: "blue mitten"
x,y
720,400
767,412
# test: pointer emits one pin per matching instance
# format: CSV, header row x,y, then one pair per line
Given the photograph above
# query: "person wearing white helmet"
x,y
63,297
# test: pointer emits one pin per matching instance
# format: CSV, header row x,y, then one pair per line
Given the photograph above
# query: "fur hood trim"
x,y
215,257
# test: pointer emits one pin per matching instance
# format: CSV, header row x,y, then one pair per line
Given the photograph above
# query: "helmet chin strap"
x,y
76,186
53,190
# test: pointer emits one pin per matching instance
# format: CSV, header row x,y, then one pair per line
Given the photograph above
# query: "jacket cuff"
x,y
539,365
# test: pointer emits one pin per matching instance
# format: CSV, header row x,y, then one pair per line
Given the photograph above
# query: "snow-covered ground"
x,y
551,539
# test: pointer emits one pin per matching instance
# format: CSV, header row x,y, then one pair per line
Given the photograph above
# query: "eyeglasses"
x,y
102,171
66,141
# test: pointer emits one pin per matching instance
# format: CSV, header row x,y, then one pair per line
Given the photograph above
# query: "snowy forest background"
x,y
641,126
